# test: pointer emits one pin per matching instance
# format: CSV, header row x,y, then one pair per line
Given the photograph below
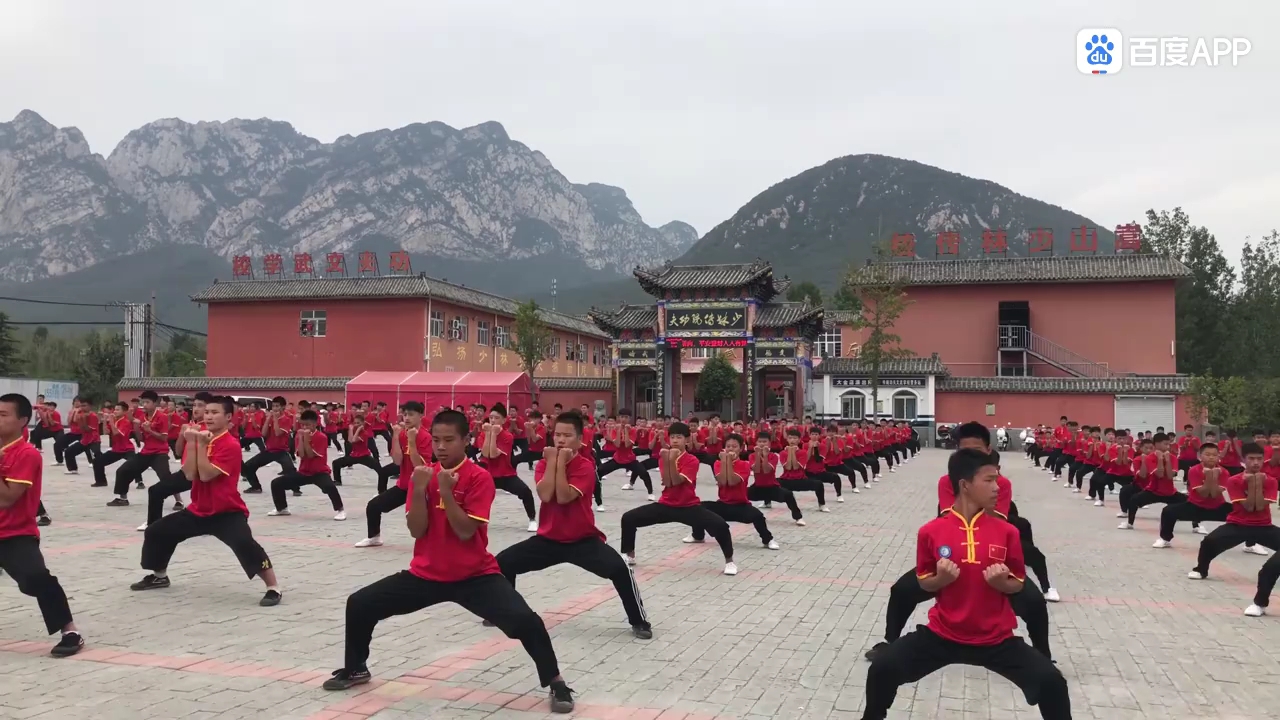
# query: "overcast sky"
x,y
695,106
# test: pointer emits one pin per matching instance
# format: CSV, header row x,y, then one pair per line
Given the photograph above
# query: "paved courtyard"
x,y
783,639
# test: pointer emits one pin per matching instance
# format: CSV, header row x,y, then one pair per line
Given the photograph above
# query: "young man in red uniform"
x,y
1142,466
678,502
313,468
1252,493
153,428
21,482
731,472
816,451
624,454
410,448
177,482
277,432
255,419
1188,451
496,447
710,440
794,477
358,434
1159,469
120,429
447,513
213,467
1229,450
764,478
88,438
567,531
535,436
971,561
1206,485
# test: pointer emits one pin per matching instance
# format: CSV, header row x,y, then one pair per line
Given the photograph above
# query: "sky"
x,y
695,106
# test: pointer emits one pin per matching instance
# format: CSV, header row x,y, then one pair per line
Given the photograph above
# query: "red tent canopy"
x,y
437,389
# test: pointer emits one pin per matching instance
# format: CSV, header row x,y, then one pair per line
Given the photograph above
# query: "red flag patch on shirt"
x,y
996,552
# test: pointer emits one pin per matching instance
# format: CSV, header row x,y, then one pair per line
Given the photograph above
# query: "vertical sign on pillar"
x,y
749,381
660,394
677,383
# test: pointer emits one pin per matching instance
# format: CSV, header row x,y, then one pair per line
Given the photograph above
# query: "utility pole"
x,y
553,293
151,336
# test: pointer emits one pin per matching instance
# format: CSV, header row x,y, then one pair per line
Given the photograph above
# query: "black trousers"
x,y
61,443
40,433
1079,469
382,503
21,558
828,478
75,448
1127,491
775,493
490,597
748,514
853,465
175,483
105,460
1029,604
386,437
591,554
133,467
695,516
527,457
516,486
1230,535
1146,497
922,653
295,480
246,443
1098,484
232,528
1172,513
249,471
635,468
871,461
1055,461
347,461
805,484
1185,465
1032,557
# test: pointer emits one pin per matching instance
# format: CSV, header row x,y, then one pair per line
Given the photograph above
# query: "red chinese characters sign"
x,y
995,241
948,243
902,245
241,267
400,262
302,264
273,265
368,262
1084,239
1040,240
335,263
1129,237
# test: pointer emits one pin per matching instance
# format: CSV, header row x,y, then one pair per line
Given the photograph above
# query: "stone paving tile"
x,y
783,639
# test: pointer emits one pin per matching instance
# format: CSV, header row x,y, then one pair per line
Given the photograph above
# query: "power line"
x,y
175,328
60,302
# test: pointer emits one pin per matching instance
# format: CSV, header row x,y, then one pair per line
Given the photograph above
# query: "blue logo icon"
x,y
944,551
1099,50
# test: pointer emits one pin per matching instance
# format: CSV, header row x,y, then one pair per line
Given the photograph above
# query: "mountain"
x,y
815,225
473,199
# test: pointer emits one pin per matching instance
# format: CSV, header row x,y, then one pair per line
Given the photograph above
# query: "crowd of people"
x,y
447,465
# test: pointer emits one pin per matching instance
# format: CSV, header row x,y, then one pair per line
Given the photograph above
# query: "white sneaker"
x,y
1255,611
824,508
839,498
773,545
374,541
70,472
58,464
1161,543
856,490
1051,595
1066,484
1075,489
278,513
876,478
630,560
340,515
730,569
692,539
601,508
650,497
142,527
1097,503
627,486
893,469
1124,526
533,525
1122,514
1199,530
800,522
1256,550
1195,575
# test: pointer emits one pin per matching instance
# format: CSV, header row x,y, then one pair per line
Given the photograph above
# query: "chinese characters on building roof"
x,y
996,242
274,266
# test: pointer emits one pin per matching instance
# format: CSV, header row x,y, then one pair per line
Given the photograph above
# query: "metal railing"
x,y
1020,337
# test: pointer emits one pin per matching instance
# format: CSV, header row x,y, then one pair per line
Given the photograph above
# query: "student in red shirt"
x,y
120,447
1206,485
87,439
1188,451
624,454
447,513
313,468
972,561
496,447
849,461
567,531
153,428
816,451
765,487
678,502
733,504
1252,494
216,508
1159,469
276,432
1230,451
49,428
710,440
794,477
177,483
410,448
358,453
1142,466
254,420
21,483
535,439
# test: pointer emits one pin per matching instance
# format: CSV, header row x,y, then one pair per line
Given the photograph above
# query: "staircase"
x,y
1019,338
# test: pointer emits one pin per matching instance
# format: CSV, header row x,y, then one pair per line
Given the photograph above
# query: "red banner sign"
x,y
683,343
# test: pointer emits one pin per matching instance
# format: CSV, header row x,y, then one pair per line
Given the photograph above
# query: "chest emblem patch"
x,y
944,551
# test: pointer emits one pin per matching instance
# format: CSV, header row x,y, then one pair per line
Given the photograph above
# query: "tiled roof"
x,y
574,383
233,383
787,314
1060,269
385,286
690,277
1159,384
627,317
836,318
904,366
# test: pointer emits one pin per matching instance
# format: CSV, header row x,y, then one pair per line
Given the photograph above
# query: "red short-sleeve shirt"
x,y
1238,489
21,464
279,441
734,494
1195,479
769,476
360,446
625,455
221,494
969,611
684,494
317,464
574,520
442,556
500,465
152,445
1004,495
423,442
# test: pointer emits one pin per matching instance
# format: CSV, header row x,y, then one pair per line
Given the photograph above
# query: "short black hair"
x,y
793,432
451,418
1251,448
149,395
225,402
125,406
1258,431
417,407
678,428
736,437
965,464
278,400
204,397
1160,437
973,429
535,415
1188,426
499,408
21,405
572,418
1108,430
309,416
304,404
763,435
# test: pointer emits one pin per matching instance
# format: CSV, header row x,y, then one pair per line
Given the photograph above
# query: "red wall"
x,y
1129,326
292,396
571,399
1030,409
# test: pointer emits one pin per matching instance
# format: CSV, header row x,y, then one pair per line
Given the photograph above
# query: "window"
x,y
700,353
595,354
500,337
553,351
853,405
436,327
482,332
829,344
569,350
313,323
582,353
700,406
459,330
904,406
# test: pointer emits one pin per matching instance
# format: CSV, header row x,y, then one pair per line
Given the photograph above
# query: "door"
x,y
853,405
1144,413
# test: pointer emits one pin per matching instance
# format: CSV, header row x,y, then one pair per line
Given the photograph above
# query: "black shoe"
x,y
297,493
346,679
98,484
641,632
875,649
151,582
118,502
487,623
253,490
271,599
178,506
141,485
70,644
338,483
561,698
44,521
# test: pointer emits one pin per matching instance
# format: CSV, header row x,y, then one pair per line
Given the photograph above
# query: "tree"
x,y
882,298
1257,307
99,365
9,351
532,337
717,382
183,358
845,299
1225,401
806,290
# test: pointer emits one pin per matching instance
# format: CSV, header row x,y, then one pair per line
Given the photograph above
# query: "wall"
x,y
292,396
1030,409
829,399
571,399
1128,326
